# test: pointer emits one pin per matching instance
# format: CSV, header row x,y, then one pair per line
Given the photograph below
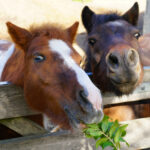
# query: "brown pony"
x,y
113,55
45,65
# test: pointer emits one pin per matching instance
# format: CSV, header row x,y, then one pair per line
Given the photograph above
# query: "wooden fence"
x,y
13,108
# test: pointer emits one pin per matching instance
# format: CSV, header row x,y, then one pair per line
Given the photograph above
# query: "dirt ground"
x,y
26,12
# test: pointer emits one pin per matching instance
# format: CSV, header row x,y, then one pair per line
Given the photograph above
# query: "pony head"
x,y
113,50
54,84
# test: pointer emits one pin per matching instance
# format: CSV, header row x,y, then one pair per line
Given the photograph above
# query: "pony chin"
x,y
124,89
51,127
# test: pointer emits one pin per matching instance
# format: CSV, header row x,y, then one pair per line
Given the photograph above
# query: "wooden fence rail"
x,y
12,103
138,136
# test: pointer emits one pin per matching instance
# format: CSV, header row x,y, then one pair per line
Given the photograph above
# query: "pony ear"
x,y
132,14
87,16
72,31
20,36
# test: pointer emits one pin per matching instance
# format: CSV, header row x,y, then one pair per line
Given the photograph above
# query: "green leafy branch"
x,y
107,133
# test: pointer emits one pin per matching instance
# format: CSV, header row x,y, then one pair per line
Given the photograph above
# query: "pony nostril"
x,y
113,61
132,57
84,102
83,96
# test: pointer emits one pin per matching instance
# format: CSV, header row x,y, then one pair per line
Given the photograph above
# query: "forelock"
x,y
49,30
104,18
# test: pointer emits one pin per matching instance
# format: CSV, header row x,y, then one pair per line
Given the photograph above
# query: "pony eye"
x,y
137,35
39,58
92,41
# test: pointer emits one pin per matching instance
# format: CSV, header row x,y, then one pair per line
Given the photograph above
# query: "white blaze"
x,y
64,51
4,56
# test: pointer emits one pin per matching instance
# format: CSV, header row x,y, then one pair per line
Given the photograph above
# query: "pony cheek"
x,y
140,73
42,77
33,99
97,57
44,80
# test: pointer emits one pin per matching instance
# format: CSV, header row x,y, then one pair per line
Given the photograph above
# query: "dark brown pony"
x,y
45,65
113,55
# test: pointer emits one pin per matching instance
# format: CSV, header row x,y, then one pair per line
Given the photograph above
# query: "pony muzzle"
x,y
92,115
83,112
123,68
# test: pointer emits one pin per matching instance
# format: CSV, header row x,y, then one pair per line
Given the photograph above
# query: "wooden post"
x,y
146,25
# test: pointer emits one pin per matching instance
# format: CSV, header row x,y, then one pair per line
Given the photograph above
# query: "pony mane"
x,y
104,18
47,29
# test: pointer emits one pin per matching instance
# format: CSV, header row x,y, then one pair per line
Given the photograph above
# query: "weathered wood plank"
x,y
12,103
141,93
138,136
146,26
146,77
56,141
23,126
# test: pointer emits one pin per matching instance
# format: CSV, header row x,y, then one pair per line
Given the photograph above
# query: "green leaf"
x,y
122,140
96,134
118,145
119,133
117,136
105,123
106,144
123,127
113,128
110,125
95,126
88,136
123,133
96,137
89,130
101,141
93,132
